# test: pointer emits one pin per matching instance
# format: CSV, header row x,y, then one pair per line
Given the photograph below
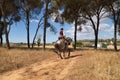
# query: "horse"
x,y
61,46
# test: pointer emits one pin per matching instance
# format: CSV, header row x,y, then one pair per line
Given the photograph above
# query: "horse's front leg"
x,y
59,54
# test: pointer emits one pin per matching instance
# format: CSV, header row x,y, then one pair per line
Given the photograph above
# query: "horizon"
x,y
77,40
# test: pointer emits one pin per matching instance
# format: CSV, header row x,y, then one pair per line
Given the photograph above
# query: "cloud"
x,y
34,20
86,32
105,27
105,31
71,30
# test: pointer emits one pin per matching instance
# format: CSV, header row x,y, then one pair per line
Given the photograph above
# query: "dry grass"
x,y
98,65
17,58
87,64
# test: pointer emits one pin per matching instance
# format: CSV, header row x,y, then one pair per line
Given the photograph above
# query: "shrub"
x,y
78,44
104,45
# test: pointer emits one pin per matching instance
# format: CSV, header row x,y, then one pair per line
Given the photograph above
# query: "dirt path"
x,y
50,69
66,69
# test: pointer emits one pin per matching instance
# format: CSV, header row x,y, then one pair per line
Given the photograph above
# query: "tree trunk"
x,y
96,39
45,24
28,29
35,35
1,29
1,42
5,27
75,34
97,31
115,30
1,39
6,35
115,37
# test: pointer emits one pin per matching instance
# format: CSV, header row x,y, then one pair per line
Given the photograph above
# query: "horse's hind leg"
x,y
57,53
68,53
64,54
60,56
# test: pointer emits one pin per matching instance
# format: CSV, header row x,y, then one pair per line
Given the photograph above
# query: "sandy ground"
x,y
55,68
112,47
50,69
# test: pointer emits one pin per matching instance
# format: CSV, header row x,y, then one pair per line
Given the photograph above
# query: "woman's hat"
x,y
61,29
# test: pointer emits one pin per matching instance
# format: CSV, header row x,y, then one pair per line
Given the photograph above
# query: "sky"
x,y
18,31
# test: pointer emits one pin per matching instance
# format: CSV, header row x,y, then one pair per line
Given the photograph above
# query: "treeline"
x,y
78,11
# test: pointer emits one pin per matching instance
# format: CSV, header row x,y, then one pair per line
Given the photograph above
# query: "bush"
x,y
88,45
104,45
78,44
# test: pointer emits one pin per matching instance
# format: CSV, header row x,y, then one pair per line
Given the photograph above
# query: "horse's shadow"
x,y
73,56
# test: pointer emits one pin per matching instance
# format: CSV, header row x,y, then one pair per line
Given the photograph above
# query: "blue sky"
x,y
18,31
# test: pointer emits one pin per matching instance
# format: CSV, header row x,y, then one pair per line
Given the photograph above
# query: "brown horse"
x,y
61,46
